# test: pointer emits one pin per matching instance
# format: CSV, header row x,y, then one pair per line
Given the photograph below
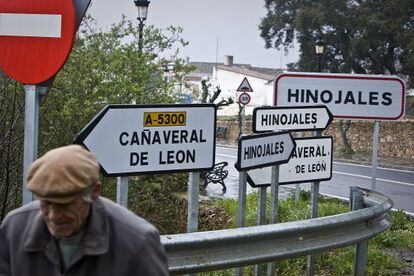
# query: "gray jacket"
x,y
116,242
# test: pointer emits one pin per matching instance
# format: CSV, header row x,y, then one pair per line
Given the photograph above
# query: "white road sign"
x,y
291,118
348,96
261,150
134,139
311,161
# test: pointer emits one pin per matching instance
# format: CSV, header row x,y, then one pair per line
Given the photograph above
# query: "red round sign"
x,y
244,98
36,38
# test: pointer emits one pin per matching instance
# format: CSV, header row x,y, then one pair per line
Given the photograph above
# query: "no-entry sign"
x,y
260,150
136,139
36,38
347,96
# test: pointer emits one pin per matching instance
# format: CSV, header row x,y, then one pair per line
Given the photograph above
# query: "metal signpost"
x,y
256,151
348,96
141,139
311,160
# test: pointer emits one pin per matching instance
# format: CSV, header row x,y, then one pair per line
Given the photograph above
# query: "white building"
x,y
228,76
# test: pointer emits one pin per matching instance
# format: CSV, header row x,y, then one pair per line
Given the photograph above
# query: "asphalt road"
x,y
397,184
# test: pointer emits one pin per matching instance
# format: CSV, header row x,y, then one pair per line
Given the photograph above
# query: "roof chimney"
x,y
228,60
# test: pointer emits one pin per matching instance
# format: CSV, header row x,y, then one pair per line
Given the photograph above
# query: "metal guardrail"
x,y
216,250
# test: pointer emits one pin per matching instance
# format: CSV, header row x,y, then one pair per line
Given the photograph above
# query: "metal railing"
x,y
216,250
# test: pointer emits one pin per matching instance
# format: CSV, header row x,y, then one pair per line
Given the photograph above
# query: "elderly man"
x,y
71,230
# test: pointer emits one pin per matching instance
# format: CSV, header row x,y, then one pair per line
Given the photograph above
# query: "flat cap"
x,y
62,173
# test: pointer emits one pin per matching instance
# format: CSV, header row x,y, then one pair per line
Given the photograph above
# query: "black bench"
x,y
217,175
221,132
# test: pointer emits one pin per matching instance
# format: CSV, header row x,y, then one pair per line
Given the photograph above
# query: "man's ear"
x,y
96,190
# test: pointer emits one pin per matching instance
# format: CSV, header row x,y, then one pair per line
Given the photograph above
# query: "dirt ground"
x,y
407,258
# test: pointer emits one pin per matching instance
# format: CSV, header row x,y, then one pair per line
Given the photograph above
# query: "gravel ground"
x,y
406,257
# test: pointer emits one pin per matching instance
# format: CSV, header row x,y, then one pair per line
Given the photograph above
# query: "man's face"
x,y
64,220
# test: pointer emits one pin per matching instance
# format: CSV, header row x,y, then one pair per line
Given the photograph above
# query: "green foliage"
x,y
367,37
401,234
339,261
105,67
11,141
109,68
153,199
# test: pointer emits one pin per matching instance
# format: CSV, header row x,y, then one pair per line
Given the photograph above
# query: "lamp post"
x,y
142,6
319,48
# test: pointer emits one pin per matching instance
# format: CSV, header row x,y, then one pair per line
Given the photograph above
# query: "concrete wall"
x,y
396,138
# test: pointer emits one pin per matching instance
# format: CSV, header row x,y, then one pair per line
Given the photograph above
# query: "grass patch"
x,y
335,262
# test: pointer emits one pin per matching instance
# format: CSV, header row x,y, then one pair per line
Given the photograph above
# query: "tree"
x,y
103,68
362,36
207,97
11,140
108,68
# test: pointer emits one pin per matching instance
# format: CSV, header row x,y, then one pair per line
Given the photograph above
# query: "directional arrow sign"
x,y
311,161
291,118
136,139
262,150
35,38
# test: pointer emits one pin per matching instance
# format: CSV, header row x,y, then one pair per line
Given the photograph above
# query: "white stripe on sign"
x,y
31,25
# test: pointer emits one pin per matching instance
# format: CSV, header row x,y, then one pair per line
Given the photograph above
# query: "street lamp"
x,y
142,6
319,49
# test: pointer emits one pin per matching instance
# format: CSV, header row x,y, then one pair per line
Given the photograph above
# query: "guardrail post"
x,y
261,219
241,209
361,247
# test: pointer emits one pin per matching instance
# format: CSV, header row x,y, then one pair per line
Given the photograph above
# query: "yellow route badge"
x,y
162,119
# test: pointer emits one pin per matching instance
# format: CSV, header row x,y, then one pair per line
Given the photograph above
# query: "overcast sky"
x,y
234,22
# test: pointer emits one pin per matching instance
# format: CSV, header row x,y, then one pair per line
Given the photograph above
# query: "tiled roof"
x,y
257,72
206,68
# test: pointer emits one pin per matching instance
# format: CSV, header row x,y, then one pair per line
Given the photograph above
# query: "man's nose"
x,y
55,213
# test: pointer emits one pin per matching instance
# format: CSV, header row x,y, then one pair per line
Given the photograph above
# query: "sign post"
x,y
375,155
31,127
193,205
